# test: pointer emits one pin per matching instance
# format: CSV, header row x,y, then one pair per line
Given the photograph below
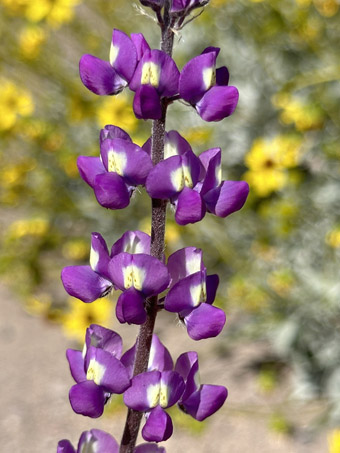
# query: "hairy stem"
x,y
158,216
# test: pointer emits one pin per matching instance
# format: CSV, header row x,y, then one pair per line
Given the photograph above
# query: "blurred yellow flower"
x,y
81,315
14,102
55,12
38,305
281,281
197,136
333,238
116,110
30,40
334,441
268,160
327,8
28,227
76,249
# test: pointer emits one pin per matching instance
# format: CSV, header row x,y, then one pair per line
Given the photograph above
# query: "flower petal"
x,y
140,43
110,131
130,307
123,54
184,262
187,293
83,283
172,388
160,358
205,401
97,441
99,255
222,76
229,197
149,448
218,103
65,446
211,160
89,167
132,242
190,207
143,394
77,365
103,338
146,103
205,321
88,399
158,426
185,363
111,191
99,76
212,282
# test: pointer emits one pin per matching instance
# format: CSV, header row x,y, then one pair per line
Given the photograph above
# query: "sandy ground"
x,y
35,412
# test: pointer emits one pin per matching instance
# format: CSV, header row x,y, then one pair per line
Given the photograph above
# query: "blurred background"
x,y
278,258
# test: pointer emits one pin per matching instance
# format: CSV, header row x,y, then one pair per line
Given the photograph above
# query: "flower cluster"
x,y
149,281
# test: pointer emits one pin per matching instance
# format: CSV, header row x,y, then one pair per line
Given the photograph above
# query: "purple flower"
x,y
97,371
180,6
206,88
106,78
139,276
200,401
92,441
88,283
121,167
192,293
152,392
156,76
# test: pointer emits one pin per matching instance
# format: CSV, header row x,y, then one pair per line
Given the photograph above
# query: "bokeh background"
x,y
278,258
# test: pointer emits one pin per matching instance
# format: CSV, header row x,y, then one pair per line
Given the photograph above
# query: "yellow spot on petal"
x,y
134,276
95,371
116,162
198,294
209,77
153,393
164,395
150,74
193,264
181,178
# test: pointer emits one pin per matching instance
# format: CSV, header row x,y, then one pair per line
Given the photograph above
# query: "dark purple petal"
x,y
103,338
111,191
166,179
174,144
97,441
218,103
77,365
192,383
128,360
99,256
158,426
83,283
140,44
197,77
190,207
182,5
172,388
89,167
160,358
106,371
146,103
112,132
132,242
211,160
185,362
99,76
205,321
144,391
222,76
149,448
65,446
187,293
88,399
130,307
205,401
185,262
212,282
229,197
144,272
123,54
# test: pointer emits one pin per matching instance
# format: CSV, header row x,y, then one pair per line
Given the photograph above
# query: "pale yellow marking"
x,y
133,245
95,371
218,175
209,77
193,264
152,395
164,395
94,259
170,150
134,276
181,178
114,51
197,379
150,74
198,293
116,162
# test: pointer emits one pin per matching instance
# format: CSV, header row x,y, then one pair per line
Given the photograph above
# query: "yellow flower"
x,y
55,12
116,110
14,102
75,249
333,238
326,8
81,315
267,162
28,227
30,40
334,441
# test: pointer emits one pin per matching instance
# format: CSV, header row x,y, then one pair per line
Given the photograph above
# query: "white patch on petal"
x,y
197,380
164,395
187,176
170,149
209,77
193,264
116,162
134,276
180,178
198,294
132,244
218,175
114,51
90,445
95,371
94,259
150,74
152,395
151,357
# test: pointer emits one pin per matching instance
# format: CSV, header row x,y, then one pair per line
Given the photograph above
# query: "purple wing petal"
x,y
99,76
166,179
103,338
88,399
185,262
211,160
123,54
172,388
197,77
140,43
130,307
185,362
218,103
146,103
186,294
158,426
190,208
111,191
144,391
77,365
132,242
83,283
205,402
175,144
89,167
98,441
65,446
205,321
229,197
110,131
149,448
99,256
160,358
128,360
